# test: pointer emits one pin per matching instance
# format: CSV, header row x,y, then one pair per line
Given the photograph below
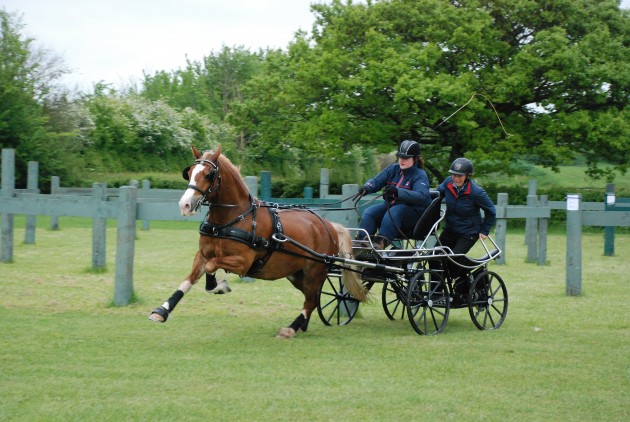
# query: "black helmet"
x,y
408,149
462,166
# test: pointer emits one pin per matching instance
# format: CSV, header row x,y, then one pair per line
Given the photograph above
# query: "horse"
x,y
245,236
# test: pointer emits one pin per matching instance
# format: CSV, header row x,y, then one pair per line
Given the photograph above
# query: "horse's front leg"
x,y
161,313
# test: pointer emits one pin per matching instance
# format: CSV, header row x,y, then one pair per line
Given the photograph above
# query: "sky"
x,y
115,41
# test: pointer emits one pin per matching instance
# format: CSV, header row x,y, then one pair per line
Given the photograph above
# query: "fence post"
x,y
500,229
7,191
542,233
574,245
531,190
609,231
99,228
32,184
324,178
531,231
125,245
350,216
252,185
54,188
146,186
265,185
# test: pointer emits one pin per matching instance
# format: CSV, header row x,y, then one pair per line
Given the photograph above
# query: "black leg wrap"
x,y
174,300
211,282
161,311
300,323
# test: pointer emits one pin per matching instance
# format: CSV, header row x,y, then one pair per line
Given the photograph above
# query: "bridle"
x,y
213,174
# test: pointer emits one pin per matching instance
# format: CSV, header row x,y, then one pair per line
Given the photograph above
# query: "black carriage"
x,y
418,281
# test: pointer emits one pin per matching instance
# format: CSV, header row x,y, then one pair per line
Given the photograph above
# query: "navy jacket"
x,y
412,184
463,216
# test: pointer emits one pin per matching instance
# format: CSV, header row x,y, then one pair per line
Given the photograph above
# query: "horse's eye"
x,y
185,173
209,176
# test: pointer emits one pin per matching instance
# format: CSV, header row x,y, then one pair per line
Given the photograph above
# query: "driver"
x,y
405,192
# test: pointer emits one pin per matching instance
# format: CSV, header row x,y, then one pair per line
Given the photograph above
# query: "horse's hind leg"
x,y
310,291
161,313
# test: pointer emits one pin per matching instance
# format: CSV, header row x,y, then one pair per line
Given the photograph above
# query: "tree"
x,y
132,133
544,80
27,76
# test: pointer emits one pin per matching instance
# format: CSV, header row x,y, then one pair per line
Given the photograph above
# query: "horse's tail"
x,y
350,278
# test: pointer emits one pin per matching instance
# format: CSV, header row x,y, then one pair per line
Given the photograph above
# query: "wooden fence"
x,y
129,204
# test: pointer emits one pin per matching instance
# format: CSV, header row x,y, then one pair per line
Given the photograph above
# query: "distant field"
x,y
568,176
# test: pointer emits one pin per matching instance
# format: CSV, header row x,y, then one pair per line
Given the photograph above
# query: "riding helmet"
x,y
408,149
461,166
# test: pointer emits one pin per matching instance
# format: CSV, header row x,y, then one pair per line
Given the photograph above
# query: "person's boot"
x,y
381,243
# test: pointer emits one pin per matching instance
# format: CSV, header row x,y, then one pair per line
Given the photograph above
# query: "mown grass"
x,y
570,177
68,355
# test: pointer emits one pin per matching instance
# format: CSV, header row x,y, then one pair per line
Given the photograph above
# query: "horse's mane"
x,y
224,162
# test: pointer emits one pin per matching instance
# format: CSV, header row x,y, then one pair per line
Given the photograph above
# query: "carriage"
x,y
418,281
420,278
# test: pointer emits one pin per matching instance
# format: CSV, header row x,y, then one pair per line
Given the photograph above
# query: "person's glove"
x,y
390,193
362,191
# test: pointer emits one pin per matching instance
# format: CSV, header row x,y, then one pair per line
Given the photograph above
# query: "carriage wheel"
x,y
393,298
336,306
488,301
428,303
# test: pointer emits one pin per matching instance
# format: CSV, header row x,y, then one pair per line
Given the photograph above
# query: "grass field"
x,y
67,355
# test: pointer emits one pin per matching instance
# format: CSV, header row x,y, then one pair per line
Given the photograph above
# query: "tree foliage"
x,y
556,73
27,76
499,81
131,133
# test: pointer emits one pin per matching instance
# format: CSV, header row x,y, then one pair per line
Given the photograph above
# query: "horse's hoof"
x,y
222,287
286,332
156,318
159,314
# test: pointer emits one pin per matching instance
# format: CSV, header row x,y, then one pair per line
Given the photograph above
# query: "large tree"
x,y
27,90
543,80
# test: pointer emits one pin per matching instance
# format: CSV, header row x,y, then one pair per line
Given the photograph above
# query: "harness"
x,y
249,238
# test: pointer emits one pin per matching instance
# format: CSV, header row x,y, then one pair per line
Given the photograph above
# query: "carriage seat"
x,y
425,225
432,215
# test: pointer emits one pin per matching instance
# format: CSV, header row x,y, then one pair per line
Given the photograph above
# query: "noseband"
x,y
211,176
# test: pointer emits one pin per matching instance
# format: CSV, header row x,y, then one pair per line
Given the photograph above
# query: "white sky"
x,y
116,40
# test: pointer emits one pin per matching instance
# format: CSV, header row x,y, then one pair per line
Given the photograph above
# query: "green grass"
x,y
67,355
570,177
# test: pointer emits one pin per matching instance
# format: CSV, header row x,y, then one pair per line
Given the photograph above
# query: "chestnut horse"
x,y
244,236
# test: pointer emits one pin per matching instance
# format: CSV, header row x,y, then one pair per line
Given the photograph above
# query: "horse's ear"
x,y
216,154
196,152
185,173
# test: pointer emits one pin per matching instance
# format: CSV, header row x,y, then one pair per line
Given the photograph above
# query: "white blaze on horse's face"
x,y
188,202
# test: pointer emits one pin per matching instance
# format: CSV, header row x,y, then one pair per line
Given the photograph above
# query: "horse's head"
x,y
204,180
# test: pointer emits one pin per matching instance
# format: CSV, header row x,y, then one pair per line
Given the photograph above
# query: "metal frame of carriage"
x,y
416,283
